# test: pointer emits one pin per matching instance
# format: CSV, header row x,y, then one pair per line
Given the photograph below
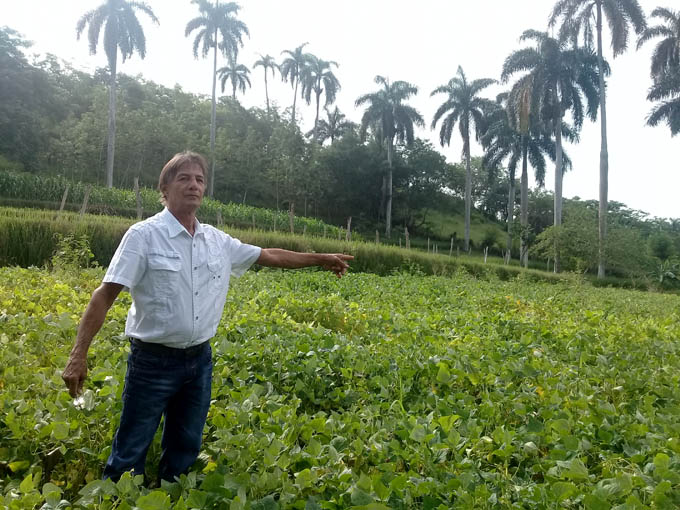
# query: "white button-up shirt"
x,y
178,283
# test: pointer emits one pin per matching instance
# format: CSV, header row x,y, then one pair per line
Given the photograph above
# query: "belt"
x,y
173,352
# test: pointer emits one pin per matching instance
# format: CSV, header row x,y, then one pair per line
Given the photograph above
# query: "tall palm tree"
x,y
513,135
292,69
667,90
318,78
667,52
267,63
123,31
387,113
577,18
218,28
557,79
237,74
462,106
334,126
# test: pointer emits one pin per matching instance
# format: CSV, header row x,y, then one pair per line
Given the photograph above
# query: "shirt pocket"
x,y
164,269
216,277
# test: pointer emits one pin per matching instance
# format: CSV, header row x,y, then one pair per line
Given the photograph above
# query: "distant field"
x,y
366,392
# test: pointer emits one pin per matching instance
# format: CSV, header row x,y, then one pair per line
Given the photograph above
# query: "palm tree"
x,y
237,74
391,118
121,30
319,78
556,80
292,69
336,126
217,28
267,62
464,107
515,135
666,89
667,52
577,18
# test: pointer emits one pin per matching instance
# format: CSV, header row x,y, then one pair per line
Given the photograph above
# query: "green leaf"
x,y
563,490
418,433
312,504
267,503
303,479
359,497
19,465
447,422
592,502
26,485
575,469
197,499
60,430
156,500
662,461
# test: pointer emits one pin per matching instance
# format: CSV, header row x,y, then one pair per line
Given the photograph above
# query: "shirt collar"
x,y
175,228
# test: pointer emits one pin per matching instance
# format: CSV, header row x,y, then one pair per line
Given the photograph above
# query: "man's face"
x,y
186,190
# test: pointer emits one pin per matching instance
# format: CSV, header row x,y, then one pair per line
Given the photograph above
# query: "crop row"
x,y
43,191
367,393
31,237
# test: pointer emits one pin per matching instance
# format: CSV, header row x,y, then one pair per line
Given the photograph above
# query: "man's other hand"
x,y
74,375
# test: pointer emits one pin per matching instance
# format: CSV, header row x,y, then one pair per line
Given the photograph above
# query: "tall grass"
x,y
29,238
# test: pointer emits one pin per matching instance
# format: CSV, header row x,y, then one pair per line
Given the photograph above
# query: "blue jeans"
x,y
174,386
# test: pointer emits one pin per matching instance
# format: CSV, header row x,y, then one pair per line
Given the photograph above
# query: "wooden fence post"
x,y
63,200
348,234
486,253
219,217
253,221
377,237
304,230
291,217
138,198
85,199
451,248
324,231
407,238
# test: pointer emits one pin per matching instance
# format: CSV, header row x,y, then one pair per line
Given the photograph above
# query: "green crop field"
x,y
366,392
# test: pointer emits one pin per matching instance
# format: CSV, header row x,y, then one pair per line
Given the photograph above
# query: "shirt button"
x,y
195,268
197,317
196,294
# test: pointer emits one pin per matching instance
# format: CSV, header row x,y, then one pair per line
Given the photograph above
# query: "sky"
x,y
420,42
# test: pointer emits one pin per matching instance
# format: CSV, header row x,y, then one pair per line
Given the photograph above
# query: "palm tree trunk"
x,y
295,99
388,189
233,91
558,180
316,119
266,89
111,146
511,211
604,155
213,119
468,187
524,207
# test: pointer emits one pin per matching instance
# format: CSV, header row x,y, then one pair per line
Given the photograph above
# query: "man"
x,y
177,271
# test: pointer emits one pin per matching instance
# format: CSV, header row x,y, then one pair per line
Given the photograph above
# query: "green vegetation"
x,y
365,392
32,236
29,190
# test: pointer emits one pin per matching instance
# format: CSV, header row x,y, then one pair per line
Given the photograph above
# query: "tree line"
x,y
559,81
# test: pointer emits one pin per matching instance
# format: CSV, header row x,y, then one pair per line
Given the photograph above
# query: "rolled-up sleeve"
x,y
129,262
242,256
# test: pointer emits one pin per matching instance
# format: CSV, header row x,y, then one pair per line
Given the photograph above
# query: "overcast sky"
x,y
421,42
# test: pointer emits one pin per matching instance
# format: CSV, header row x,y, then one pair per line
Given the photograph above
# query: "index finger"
x,y
343,256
